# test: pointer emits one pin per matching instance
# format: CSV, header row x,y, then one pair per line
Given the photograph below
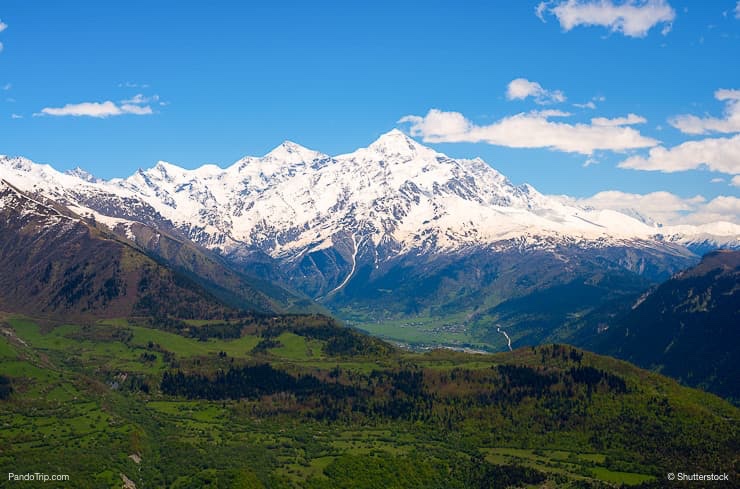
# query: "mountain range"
x,y
392,231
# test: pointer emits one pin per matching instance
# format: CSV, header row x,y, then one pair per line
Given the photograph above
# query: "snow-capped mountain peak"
x,y
292,153
396,143
165,171
82,174
18,163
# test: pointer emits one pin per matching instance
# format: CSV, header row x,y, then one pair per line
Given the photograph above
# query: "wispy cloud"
x,y
132,85
665,207
591,104
7,87
633,18
96,109
619,121
735,182
3,26
522,88
136,109
527,130
16,116
730,123
140,99
717,154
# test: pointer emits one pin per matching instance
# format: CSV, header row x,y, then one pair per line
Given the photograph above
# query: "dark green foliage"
x,y
147,357
534,381
265,345
219,479
480,474
440,470
137,383
244,382
593,377
223,331
6,389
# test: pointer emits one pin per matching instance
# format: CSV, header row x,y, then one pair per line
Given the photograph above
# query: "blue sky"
x,y
535,88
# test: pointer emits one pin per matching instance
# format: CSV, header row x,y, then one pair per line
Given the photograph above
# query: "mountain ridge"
x,y
59,264
395,215
684,328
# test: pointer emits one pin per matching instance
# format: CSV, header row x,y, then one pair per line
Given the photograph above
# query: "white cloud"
x,y
666,208
619,121
717,180
96,109
717,154
522,88
527,130
727,94
737,10
735,182
632,18
16,116
691,124
721,208
140,99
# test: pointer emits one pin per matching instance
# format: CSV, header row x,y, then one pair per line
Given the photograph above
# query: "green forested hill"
x,y
298,401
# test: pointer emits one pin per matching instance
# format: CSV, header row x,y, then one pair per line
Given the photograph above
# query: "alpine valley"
x,y
395,238
173,329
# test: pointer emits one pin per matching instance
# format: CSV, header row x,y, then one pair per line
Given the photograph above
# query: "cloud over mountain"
x,y
716,154
531,130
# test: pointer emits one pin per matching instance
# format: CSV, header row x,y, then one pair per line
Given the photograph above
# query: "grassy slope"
x,y
66,417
